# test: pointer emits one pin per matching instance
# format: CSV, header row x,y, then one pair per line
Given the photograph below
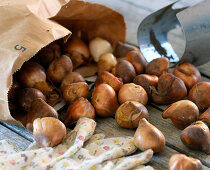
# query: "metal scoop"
x,y
195,23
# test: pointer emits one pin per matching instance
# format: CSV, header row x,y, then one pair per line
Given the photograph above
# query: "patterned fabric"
x,y
76,153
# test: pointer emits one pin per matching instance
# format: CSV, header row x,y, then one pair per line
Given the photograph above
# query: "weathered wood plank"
x,y
110,128
17,140
140,9
160,160
205,69
172,135
22,131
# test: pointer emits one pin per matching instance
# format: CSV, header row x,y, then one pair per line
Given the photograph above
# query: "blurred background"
x,y
135,11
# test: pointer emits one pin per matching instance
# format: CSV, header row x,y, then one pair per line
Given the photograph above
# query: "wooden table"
x,y
134,11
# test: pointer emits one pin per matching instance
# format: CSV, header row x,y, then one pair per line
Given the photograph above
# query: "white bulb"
x,y
99,46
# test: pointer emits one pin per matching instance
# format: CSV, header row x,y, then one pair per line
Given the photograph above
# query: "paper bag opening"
x,y
25,29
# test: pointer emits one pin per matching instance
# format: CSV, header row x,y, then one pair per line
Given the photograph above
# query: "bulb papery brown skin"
x,y
47,54
137,60
77,50
54,97
182,113
200,95
205,117
104,100
48,131
122,49
59,68
39,109
77,45
107,62
33,75
146,81
125,70
76,58
183,162
169,90
110,79
99,46
158,66
27,95
197,136
75,90
132,92
80,108
147,136
71,77
129,114
188,73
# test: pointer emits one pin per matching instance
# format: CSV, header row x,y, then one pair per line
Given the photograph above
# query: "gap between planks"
x,y
110,127
145,11
21,131
13,137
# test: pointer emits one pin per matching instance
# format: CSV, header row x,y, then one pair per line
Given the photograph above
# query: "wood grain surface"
x,y
134,12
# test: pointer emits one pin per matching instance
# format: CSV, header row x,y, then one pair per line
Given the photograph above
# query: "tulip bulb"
x,y
59,68
197,136
104,100
188,73
205,117
80,108
99,46
110,79
77,50
129,114
181,161
148,136
125,71
27,95
39,109
132,92
33,75
158,66
106,62
71,77
122,49
169,90
47,54
75,90
137,60
200,95
182,113
48,131
146,81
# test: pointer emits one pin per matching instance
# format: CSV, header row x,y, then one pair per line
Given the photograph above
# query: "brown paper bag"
x,y
27,26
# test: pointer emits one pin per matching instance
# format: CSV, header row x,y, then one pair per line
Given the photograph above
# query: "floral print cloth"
x,y
80,150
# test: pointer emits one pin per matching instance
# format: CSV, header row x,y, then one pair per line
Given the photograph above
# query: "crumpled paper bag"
x,y
22,34
27,26
80,150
